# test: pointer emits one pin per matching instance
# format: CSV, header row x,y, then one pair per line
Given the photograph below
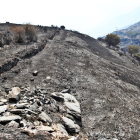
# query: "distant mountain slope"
x,y
129,36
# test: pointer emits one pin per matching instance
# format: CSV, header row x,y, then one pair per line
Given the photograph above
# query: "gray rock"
x,y
17,111
13,124
10,118
77,128
70,125
70,116
24,101
70,98
61,128
36,123
21,106
40,108
48,101
25,98
44,117
64,97
61,109
6,114
3,108
32,107
65,91
29,125
14,94
35,73
1,103
3,100
30,111
58,96
74,109
23,123
31,99
48,77
46,128
12,106
28,116
39,103
30,132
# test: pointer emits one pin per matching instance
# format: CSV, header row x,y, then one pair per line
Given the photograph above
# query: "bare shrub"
x,y
25,32
19,33
132,49
5,38
30,32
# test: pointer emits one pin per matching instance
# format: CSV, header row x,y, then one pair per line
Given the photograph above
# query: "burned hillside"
x,y
102,87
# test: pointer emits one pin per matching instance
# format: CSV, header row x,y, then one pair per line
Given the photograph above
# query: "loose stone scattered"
x,y
32,113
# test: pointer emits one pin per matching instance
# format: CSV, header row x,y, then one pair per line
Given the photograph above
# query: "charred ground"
x,y
106,84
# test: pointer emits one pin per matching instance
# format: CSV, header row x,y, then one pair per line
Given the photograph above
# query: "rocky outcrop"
x,y
31,115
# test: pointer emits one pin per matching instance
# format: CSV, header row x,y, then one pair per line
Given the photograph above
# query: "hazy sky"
x,y
93,17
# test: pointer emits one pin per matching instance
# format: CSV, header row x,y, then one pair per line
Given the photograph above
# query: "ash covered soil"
x,y
104,81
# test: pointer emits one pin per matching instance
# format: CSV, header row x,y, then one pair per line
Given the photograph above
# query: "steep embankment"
x,y
107,86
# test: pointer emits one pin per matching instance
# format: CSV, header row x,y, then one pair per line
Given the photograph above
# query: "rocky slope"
x,y
129,36
102,89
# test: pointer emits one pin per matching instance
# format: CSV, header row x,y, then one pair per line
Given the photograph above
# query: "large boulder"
x,y
14,94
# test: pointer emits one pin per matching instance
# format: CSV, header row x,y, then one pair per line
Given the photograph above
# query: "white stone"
x,y
70,98
61,128
22,105
10,118
3,108
47,128
15,93
3,100
73,107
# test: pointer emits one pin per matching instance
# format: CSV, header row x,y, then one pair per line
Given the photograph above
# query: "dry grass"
x,y
19,33
25,32
30,32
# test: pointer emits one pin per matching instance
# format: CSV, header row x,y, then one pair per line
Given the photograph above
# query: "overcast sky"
x,y
93,17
